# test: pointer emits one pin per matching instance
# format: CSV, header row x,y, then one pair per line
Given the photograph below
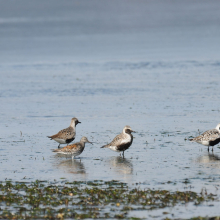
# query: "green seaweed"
x,y
80,200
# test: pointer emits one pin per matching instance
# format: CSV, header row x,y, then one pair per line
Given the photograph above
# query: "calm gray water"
x,y
154,65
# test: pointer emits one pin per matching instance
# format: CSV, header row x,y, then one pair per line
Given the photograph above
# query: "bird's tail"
x,y
104,146
52,137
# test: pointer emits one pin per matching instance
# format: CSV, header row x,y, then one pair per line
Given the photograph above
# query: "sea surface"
x,y
153,65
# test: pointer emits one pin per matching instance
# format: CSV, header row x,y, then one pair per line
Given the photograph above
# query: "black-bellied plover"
x,y
66,135
122,141
74,149
209,138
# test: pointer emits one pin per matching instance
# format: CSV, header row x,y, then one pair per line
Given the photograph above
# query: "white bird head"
x,y
127,129
74,122
218,127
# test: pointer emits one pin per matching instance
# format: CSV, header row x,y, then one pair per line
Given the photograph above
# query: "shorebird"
x,y
74,149
66,135
209,138
122,141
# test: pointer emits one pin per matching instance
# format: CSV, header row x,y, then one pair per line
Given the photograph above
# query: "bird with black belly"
x,y
208,138
122,141
66,135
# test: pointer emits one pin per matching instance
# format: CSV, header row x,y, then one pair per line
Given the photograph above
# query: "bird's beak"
x,y
90,142
79,122
133,131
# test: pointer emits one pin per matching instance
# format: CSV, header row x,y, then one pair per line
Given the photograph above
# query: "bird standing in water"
x,y
66,135
74,149
209,138
122,141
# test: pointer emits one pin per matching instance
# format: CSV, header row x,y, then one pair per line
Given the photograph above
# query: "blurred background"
x,y
52,31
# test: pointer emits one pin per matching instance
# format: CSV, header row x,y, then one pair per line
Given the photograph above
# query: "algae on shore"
x,y
82,200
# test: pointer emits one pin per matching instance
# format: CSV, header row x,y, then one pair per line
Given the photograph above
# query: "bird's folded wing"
x,y
209,135
69,148
66,133
214,135
117,140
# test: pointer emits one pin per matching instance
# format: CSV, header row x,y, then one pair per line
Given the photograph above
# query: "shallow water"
x,y
156,70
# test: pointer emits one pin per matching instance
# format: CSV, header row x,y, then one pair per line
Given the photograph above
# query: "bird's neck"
x,y
128,134
82,143
72,125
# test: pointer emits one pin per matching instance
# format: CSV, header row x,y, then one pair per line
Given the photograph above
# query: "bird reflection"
x,y
121,166
210,159
72,166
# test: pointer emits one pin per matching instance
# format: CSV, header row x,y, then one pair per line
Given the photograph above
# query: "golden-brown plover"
x,y
74,149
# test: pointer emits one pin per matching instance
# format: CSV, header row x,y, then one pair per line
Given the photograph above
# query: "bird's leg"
x,y
59,146
212,148
208,148
72,157
123,155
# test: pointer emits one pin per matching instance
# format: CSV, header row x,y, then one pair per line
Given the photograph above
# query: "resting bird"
x,y
66,135
209,138
122,141
74,149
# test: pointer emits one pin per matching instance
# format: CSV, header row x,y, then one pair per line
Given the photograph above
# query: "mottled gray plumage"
x,y
117,140
74,149
209,138
66,135
122,141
